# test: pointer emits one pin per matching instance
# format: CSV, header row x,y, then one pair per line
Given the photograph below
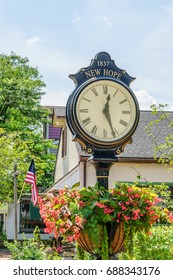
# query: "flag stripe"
x,y
31,179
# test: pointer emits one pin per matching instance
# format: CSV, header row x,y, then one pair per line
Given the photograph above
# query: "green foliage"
x,y
104,244
51,255
36,234
81,254
3,235
26,250
21,88
21,125
157,246
31,249
163,150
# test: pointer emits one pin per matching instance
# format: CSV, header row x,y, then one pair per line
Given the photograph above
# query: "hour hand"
x,y
107,115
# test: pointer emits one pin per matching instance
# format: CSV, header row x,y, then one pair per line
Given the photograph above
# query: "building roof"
x,y
57,110
142,146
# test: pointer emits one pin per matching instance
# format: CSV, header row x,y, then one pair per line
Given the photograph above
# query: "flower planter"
x,y
96,217
92,245
117,239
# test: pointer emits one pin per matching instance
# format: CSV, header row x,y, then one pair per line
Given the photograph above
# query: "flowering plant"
x,y
71,210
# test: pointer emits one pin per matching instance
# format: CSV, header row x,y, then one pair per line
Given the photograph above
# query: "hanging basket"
x,y
116,239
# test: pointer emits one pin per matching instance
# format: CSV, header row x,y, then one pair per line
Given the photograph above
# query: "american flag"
x,y
31,179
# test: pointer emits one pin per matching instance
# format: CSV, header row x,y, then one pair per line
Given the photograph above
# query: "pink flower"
x,y
62,230
69,238
137,195
127,202
136,214
76,236
81,203
59,249
171,217
108,210
100,205
78,221
123,207
126,218
157,200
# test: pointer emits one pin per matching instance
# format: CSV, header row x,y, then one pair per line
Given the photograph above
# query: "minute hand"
x,y
107,115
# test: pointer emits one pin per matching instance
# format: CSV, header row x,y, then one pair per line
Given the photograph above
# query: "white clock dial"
x,y
105,111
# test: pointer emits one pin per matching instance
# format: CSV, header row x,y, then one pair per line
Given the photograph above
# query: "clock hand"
x,y
107,115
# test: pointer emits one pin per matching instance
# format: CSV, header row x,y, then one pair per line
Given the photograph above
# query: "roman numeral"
x,y
94,91
86,121
115,92
105,89
94,130
121,102
116,131
123,123
86,99
105,133
126,112
83,110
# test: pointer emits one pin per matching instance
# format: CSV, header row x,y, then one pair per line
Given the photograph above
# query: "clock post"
x,y
102,173
102,113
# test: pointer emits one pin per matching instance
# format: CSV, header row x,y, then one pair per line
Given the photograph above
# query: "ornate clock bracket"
x,y
100,154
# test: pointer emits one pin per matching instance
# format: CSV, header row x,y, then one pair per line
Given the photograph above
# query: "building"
x,y
74,165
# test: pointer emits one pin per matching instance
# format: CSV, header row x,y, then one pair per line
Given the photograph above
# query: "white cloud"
x,y
145,99
33,41
103,20
55,97
76,17
169,8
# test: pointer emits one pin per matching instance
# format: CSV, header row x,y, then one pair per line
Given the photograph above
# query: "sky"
x,y
61,36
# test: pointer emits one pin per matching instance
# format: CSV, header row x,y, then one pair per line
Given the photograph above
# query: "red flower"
x,y
59,249
108,210
81,203
70,238
171,217
68,211
78,221
123,207
100,205
126,218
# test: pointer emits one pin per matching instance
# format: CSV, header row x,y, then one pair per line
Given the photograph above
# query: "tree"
x,y
21,125
163,147
20,94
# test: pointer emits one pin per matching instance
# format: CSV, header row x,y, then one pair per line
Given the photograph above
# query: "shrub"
x,y
25,250
31,249
156,246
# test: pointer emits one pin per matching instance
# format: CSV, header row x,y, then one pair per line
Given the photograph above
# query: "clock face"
x,y
105,112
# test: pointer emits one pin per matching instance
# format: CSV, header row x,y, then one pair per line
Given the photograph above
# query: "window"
x,y
30,217
64,142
